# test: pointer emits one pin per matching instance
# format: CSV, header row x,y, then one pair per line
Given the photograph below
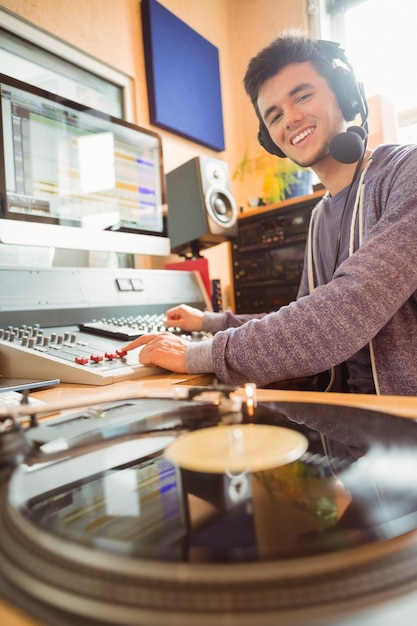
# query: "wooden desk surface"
x,y
64,394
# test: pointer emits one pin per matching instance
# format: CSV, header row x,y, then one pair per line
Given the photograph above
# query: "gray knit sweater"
x,y
372,297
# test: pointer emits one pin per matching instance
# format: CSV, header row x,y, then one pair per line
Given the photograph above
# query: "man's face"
x,y
301,113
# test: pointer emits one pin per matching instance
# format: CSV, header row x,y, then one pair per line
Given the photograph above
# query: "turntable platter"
x,y
247,447
128,535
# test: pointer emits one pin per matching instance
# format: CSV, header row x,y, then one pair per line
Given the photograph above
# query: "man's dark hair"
x,y
290,47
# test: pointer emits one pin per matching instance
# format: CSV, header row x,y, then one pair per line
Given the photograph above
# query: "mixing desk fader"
x,y
73,323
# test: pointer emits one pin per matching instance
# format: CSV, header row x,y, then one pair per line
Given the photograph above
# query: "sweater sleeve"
x,y
213,322
336,320
198,357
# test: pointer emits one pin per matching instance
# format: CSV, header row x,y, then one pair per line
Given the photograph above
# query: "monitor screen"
x,y
73,177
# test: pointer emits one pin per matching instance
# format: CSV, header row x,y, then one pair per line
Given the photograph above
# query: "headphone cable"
x,y
339,234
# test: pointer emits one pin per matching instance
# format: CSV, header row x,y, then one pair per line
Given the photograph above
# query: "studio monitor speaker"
x,y
201,208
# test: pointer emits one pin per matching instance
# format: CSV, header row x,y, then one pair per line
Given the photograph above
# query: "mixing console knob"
x,y
45,341
73,337
66,335
96,358
6,335
31,342
81,360
60,340
12,336
53,337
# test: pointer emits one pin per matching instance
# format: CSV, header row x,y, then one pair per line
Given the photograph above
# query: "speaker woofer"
x,y
221,207
201,209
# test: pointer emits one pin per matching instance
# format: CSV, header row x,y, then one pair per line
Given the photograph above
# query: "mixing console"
x,y
89,349
78,357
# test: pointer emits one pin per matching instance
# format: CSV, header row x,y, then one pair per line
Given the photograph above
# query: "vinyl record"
x,y
115,532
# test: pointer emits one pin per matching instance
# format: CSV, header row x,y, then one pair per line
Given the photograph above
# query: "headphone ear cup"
x,y
266,142
347,92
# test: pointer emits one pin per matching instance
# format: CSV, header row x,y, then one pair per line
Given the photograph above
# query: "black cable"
x,y
339,234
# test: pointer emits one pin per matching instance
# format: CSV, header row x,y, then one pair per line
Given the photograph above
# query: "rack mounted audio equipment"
x,y
268,255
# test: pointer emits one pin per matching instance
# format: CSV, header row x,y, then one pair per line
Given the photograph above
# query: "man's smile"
x,y
302,135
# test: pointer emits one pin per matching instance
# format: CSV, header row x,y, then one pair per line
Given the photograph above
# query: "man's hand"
x,y
163,349
185,317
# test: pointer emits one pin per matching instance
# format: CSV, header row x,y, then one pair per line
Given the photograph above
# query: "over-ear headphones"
x,y
346,147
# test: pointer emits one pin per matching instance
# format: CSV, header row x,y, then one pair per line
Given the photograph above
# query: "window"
x,y
378,36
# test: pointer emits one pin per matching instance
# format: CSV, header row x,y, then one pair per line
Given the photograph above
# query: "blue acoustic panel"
x,y
183,77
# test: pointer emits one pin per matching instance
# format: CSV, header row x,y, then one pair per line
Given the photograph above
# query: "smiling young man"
x,y
303,120
356,310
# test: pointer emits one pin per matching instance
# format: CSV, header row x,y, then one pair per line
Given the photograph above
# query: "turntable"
x,y
190,511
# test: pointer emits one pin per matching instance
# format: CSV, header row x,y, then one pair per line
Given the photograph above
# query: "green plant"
x,y
279,175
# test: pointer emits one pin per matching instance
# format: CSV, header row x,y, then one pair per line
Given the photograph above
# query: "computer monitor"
x,y
75,178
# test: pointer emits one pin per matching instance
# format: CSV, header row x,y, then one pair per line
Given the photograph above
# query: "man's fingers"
x,y
140,341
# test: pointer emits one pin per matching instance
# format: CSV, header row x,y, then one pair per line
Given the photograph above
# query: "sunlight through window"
x,y
380,40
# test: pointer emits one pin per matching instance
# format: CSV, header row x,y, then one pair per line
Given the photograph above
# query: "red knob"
x,y
96,358
81,360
